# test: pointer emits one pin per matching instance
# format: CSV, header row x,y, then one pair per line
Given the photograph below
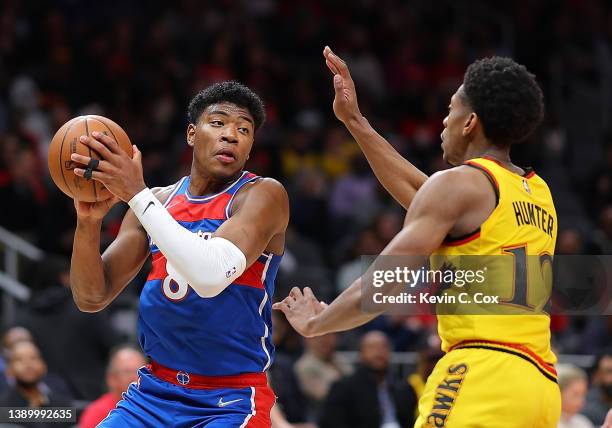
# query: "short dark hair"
x,y
230,92
506,97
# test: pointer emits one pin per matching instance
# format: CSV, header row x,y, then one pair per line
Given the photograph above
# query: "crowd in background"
x,y
141,65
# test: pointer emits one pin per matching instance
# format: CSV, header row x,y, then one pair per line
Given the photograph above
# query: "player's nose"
x,y
230,134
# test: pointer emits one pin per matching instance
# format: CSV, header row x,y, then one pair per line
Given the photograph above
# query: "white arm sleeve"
x,y
208,266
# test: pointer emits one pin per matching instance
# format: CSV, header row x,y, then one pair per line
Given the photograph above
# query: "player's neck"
x,y
486,149
201,183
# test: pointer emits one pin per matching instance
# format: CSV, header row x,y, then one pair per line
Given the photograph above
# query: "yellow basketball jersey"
x,y
523,230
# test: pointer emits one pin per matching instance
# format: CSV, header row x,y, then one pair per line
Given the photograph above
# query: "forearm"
x,y
397,175
344,313
87,279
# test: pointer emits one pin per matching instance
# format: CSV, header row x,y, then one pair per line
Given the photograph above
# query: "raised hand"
x,y
300,308
345,100
120,173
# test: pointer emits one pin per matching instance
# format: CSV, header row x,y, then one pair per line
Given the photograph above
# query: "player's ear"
x,y
470,124
191,129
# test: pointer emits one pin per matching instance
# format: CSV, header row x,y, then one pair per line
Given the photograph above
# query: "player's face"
x,y
222,139
454,142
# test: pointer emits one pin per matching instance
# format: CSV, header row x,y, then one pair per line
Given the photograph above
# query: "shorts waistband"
x,y
511,348
195,381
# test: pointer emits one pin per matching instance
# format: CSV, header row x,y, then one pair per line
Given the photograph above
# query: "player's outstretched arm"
x,y
401,178
438,208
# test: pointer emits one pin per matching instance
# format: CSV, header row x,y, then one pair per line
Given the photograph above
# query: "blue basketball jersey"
x,y
225,335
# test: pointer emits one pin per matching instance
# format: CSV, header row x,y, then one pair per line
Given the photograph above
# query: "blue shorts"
x,y
152,402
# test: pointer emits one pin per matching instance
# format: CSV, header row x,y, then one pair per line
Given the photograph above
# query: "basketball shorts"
x,y
153,402
482,384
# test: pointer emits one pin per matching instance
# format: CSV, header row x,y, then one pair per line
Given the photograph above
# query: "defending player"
x,y
216,240
498,369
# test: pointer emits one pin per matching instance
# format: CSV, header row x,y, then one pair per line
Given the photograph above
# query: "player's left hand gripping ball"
x,y
118,172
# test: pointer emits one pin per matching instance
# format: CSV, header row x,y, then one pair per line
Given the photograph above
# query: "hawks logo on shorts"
x,y
446,394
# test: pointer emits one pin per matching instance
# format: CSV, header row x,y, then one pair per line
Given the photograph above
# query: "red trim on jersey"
x,y
183,210
485,169
195,381
264,400
515,346
252,276
530,174
158,267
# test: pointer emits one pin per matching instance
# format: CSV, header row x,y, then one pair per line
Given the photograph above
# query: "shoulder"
x,y
262,191
460,182
266,186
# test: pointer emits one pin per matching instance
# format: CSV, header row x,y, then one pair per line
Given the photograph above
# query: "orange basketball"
x,y
66,141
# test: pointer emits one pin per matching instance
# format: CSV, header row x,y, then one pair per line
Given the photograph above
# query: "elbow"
x,y
210,287
89,305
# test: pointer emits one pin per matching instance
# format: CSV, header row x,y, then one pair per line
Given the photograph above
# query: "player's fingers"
x,y
338,84
88,174
331,66
136,154
97,146
280,306
339,64
108,141
296,293
94,164
308,293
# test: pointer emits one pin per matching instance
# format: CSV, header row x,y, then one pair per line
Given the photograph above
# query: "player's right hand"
x,y
345,100
94,211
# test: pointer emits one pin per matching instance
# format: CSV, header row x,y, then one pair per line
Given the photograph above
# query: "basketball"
x,y
66,141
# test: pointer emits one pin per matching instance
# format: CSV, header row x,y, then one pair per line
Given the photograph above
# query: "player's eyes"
x,y
216,122
245,131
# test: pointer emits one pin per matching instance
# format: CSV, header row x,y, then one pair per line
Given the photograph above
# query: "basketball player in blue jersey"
x,y
216,239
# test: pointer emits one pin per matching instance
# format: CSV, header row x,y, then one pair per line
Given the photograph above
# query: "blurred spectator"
x,y
599,397
125,360
573,385
12,336
318,368
369,398
51,380
57,325
27,367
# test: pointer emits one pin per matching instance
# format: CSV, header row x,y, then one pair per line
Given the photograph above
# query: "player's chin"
x,y
226,170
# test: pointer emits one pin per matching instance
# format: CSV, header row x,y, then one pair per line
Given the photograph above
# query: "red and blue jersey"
x,y
225,335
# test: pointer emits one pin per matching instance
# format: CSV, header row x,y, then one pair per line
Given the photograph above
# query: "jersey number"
x,y
174,287
521,279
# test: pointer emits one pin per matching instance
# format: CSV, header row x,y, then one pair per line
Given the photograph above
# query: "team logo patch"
x,y
446,394
182,377
526,186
